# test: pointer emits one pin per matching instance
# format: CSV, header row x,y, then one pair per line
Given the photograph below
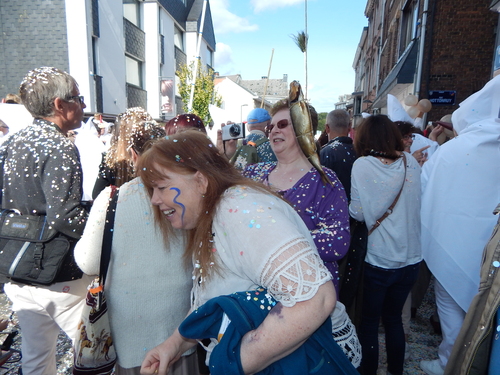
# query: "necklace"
x,y
284,180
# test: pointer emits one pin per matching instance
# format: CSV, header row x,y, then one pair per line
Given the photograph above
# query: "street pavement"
x,y
423,341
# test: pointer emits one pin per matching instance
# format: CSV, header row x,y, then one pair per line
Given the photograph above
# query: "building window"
x,y
131,11
95,18
134,71
210,57
178,38
357,105
162,49
408,24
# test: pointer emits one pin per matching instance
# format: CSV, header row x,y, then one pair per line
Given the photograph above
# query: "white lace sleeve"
x,y
294,273
261,241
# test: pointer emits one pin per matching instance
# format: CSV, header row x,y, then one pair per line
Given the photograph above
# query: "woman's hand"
x,y
285,329
159,359
226,148
420,155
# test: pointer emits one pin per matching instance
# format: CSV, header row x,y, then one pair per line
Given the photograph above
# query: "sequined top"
x,y
338,155
43,176
323,208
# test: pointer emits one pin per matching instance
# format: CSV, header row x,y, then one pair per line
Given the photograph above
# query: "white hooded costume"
x,y
91,150
396,112
460,190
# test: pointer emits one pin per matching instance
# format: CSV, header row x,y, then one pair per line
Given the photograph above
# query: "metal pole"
x,y
198,57
418,79
267,80
307,47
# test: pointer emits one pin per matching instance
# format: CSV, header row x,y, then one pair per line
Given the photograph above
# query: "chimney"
x,y
285,78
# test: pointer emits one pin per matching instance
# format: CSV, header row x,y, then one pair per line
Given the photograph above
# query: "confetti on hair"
x,y
133,127
42,74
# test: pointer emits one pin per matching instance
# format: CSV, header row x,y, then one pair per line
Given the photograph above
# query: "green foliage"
x,y
204,93
322,120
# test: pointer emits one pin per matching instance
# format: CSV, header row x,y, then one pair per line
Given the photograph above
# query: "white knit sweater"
x,y
147,287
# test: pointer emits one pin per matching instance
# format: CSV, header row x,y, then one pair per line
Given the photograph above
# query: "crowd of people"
x,y
235,256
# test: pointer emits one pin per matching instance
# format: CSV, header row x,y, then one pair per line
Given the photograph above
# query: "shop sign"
x,y
446,97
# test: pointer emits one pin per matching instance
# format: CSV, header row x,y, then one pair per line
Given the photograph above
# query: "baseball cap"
x,y
257,115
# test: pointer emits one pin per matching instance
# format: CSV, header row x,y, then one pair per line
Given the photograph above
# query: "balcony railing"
x,y
136,97
180,58
135,40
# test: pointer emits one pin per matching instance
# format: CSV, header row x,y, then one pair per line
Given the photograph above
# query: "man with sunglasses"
x,y
42,176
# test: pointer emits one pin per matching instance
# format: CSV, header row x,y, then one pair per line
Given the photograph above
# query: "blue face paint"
x,y
179,203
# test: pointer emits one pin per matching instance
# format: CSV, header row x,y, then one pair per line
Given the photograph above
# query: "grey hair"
x,y
41,86
338,120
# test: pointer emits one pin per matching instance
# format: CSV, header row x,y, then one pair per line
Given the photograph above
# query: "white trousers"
x,y
42,312
451,317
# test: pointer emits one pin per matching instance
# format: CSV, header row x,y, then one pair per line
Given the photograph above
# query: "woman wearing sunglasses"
x,y
323,207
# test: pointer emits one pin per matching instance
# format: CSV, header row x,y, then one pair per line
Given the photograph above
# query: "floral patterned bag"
x,y
94,350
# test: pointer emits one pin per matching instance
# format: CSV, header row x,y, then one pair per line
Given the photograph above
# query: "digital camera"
x,y
233,131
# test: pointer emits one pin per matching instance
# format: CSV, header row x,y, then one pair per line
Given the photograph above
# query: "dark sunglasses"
x,y
78,98
281,125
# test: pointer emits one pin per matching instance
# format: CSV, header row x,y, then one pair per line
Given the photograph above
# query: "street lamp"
x,y
241,112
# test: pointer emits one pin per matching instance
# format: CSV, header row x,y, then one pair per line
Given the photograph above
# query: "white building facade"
x,y
118,51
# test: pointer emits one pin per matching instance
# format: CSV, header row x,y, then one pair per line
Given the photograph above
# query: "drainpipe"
x,y
380,49
418,80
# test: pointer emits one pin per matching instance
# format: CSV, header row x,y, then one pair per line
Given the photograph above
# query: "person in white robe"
x,y
461,188
91,149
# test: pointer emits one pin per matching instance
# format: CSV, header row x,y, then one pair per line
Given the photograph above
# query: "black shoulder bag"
x,y
31,252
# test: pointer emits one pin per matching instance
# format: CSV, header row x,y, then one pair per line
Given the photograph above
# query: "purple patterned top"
x,y
323,209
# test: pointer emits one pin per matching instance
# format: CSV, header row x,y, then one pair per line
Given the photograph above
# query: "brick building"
x,y
435,49
495,7
121,53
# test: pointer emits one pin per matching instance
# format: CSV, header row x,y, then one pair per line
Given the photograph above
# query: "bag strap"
x,y
389,210
107,239
258,142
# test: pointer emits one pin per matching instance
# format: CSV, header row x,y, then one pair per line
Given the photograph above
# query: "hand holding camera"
x,y
233,131
225,143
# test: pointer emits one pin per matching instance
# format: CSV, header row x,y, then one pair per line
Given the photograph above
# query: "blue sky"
x,y
246,31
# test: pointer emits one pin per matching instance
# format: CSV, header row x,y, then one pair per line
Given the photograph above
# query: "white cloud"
x,y
224,58
226,22
262,5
